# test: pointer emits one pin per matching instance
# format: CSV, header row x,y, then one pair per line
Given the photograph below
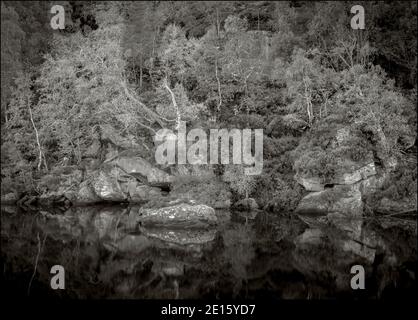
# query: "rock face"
x,y
347,176
342,188
140,192
107,188
344,199
181,236
84,195
184,215
310,183
139,166
123,179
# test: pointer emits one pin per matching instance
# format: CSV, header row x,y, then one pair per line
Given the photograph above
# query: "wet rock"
x,y
179,215
343,199
180,236
107,187
83,196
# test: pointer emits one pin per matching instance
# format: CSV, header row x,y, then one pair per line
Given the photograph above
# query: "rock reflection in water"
x,y
108,253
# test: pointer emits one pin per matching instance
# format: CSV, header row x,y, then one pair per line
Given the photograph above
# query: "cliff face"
x,y
337,179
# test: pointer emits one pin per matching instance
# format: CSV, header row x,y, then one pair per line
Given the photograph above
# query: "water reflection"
x,y
107,253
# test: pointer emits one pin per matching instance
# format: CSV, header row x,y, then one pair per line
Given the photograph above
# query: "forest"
x,y
330,100
88,210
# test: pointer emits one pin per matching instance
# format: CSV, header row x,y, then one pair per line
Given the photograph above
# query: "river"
x,y
255,255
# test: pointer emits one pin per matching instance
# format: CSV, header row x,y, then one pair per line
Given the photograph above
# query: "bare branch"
x,y
151,113
173,99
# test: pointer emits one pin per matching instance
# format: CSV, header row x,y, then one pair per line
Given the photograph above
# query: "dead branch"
x,y
41,155
173,99
151,113
219,85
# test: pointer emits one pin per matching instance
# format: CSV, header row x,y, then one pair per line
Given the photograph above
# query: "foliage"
x,y
295,69
239,182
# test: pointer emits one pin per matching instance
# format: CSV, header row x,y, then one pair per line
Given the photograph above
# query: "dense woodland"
x,y
295,69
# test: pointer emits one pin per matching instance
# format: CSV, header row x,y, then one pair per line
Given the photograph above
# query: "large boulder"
x,y
338,174
107,187
84,195
140,192
184,215
345,176
180,236
138,166
310,183
343,199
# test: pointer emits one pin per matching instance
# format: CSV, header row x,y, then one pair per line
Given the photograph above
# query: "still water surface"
x,y
247,255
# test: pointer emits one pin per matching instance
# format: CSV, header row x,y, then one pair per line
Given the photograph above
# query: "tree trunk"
x,y
219,85
41,155
217,23
140,76
173,99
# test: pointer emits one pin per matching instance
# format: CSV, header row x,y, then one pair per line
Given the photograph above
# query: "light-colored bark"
x,y
308,99
219,85
41,155
153,115
173,100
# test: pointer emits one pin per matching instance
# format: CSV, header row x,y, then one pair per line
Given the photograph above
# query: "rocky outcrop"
x,y
181,236
345,199
107,188
121,179
84,195
388,206
346,176
339,186
137,166
180,215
